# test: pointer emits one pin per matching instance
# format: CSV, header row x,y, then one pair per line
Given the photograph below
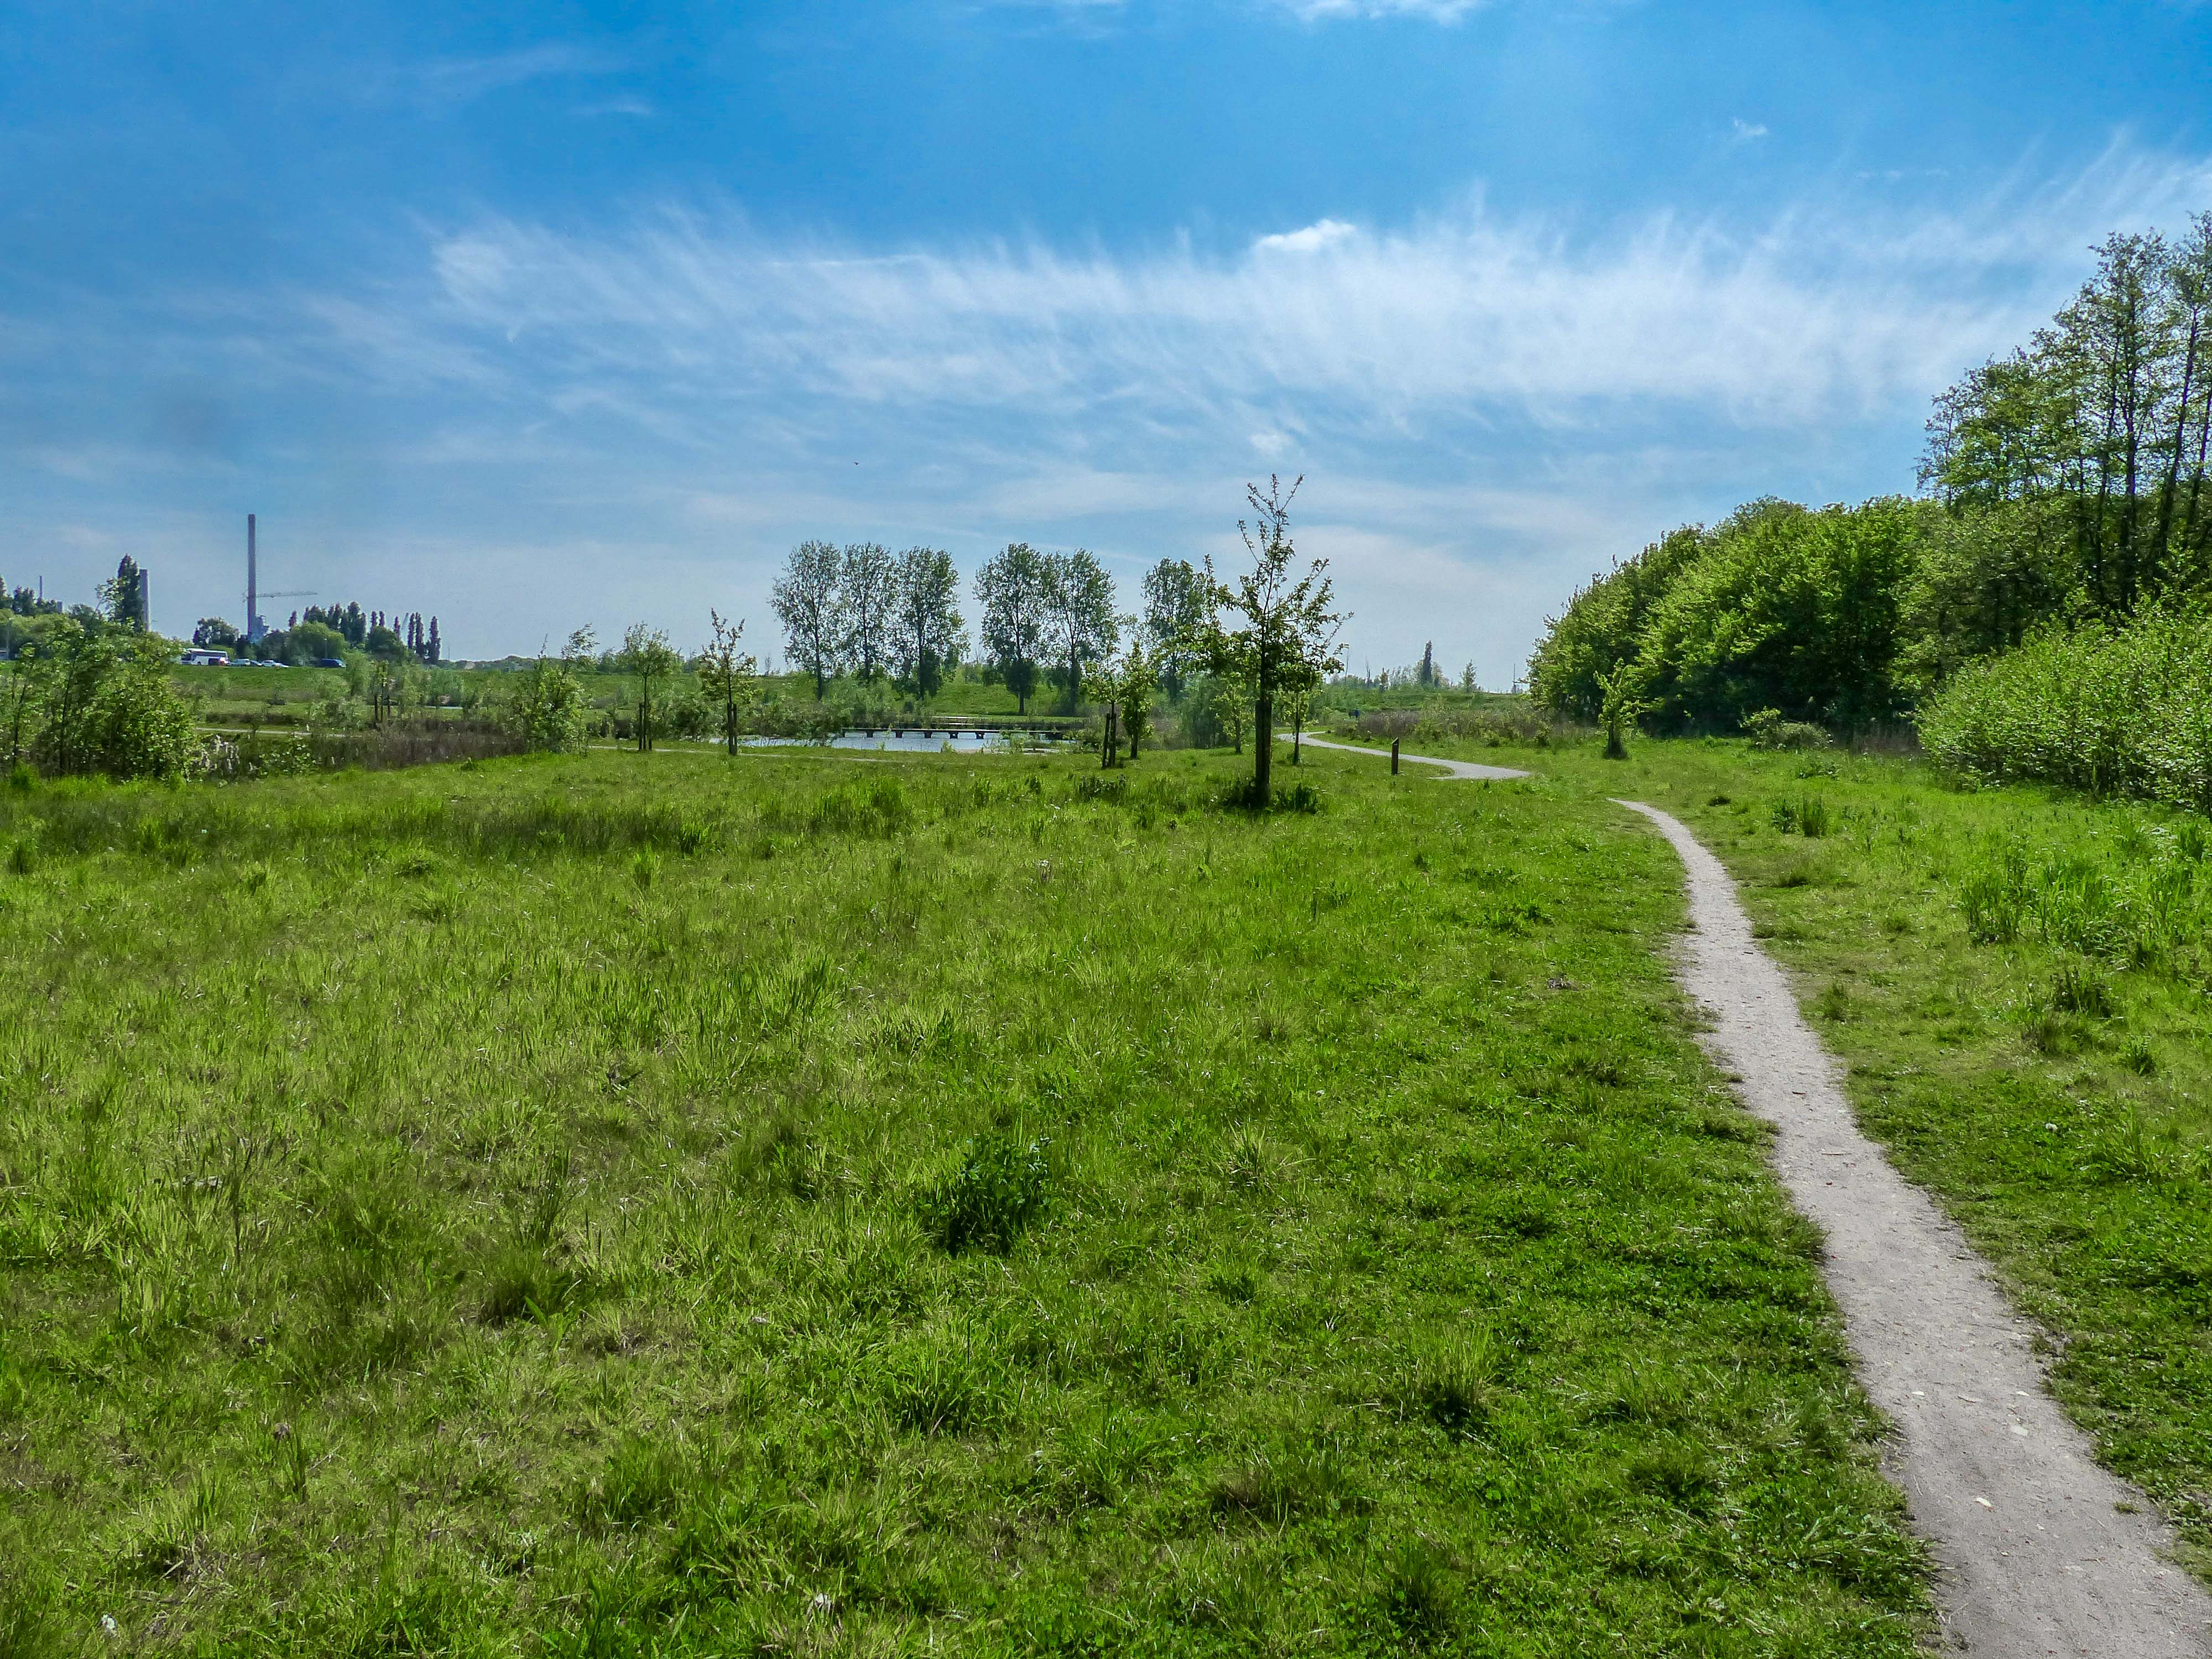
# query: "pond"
x,y
909,740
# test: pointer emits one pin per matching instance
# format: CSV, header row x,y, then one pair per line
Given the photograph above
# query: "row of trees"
x,y
332,631
2103,419
2066,486
1042,617
1262,644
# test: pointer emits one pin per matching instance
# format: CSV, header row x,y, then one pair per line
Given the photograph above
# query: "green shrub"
x,y
1001,1188
2125,711
1767,729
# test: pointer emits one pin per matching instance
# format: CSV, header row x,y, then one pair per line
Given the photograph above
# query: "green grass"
x,y
669,1204
2017,980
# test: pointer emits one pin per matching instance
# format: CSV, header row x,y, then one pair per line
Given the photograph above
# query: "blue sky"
x,y
536,316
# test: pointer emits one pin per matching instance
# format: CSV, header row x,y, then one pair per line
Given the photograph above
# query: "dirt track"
x,y
2043,1552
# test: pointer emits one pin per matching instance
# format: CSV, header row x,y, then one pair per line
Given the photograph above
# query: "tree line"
x,y
2064,489
1248,652
329,632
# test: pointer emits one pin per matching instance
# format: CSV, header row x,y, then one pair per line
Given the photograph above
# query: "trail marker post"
x,y
1393,757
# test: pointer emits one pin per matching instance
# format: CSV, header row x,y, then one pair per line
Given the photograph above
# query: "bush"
x,y
1767,730
2125,711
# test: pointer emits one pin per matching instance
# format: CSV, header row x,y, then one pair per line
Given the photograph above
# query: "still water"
x,y
969,742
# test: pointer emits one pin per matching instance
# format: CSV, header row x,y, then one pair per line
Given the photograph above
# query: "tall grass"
x,y
617,1205
2125,712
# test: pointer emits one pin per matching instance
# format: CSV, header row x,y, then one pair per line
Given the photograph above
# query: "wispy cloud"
x,y
463,79
1436,11
1819,312
1745,132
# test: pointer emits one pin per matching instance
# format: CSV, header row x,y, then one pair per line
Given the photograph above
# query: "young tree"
x,y
869,582
1010,592
1178,606
729,678
21,689
647,653
925,633
1289,630
1467,680
1102,684
809,600
1079,619
1138,682
1426,675
546,709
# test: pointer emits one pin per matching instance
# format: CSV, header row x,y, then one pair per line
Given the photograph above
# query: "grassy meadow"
x,y
2017,981
815,1203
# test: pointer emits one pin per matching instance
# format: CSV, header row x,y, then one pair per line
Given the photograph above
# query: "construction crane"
x,y
253,597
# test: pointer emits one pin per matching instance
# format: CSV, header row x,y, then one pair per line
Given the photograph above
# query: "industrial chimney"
x,y
252,588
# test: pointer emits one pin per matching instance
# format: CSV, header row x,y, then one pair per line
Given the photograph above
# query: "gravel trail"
x,y
1456,769
2041,1551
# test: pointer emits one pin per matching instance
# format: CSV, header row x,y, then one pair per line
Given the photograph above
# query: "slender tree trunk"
x,y
2196,478
1263,746
2180,436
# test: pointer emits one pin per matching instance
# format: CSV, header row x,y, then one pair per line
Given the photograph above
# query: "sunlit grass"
x,y
628,1205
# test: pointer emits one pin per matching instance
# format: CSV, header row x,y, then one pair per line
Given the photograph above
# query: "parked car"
x,y
329,662
204,659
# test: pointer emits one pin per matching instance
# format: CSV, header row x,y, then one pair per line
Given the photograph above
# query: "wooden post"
x,y
1393,757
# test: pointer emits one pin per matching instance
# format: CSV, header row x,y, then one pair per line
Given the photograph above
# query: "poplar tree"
x,y
869,584
810,603
926,628
1010,592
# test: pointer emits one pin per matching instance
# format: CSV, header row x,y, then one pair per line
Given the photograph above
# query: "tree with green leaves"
x,y
868,582
1138,682
122,597
1623,703
1178,605
1102,684
728,676
926,637
809,599
91,697
546,707
1080,624
1011,592
1289,629
648,657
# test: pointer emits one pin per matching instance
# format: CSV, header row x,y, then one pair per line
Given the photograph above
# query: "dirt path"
x,y
1456,769
2042,1551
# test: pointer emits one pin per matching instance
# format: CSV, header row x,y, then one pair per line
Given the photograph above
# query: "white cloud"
x,y
1822,314
1316,236
1745,132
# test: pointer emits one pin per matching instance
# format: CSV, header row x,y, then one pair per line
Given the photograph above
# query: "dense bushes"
x,y
87,697
2126,711
1776,608
2070,484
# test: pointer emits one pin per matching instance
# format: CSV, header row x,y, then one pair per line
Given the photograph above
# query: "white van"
x,y
203,659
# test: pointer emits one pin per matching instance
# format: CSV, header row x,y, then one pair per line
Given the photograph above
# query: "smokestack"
x,y
252,588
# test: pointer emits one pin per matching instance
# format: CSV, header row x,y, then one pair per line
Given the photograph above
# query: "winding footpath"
x,y
2042,1551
